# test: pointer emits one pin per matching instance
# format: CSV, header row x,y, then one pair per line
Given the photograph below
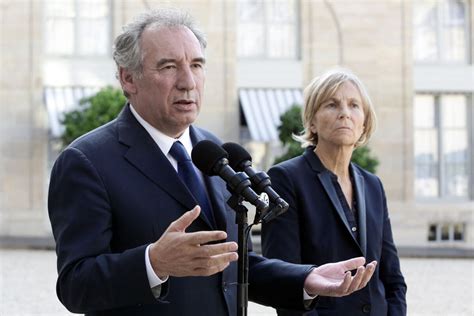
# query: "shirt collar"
x,y
163,141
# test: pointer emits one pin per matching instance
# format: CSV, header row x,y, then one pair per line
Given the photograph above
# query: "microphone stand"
x,y
235,202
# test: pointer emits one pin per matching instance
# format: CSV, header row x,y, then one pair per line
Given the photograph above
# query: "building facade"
x,y
415,57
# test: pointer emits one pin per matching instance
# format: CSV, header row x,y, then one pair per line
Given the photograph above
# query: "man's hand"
x,y
180,254
334,279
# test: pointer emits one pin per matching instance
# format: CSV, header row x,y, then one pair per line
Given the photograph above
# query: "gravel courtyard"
x,y
435,286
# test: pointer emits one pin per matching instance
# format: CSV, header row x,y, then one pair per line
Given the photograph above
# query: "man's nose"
x,y
186,80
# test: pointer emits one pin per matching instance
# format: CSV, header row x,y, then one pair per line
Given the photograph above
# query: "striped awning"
x,y
263,107
59,100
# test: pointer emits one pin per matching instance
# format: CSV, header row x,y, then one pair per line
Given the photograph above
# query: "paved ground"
x,y
435,286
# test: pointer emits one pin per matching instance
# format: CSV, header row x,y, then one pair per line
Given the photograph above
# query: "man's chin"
x,y
186,121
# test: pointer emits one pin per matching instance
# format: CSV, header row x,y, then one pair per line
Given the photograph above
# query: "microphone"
x,y
211,159
240,160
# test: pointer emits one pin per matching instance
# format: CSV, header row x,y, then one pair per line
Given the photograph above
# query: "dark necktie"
x,y
190,178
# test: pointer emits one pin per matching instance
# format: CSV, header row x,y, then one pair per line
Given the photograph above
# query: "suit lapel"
x,y
362,213
216,194
324,176
146,156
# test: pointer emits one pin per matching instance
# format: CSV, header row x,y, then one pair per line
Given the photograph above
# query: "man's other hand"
x,y
181,254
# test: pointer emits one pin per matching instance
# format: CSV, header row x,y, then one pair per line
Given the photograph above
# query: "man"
x,y
118,204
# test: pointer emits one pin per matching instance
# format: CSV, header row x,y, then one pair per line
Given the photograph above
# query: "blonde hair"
x,y
320,90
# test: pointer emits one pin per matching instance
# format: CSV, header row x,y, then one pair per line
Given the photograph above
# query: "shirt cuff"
x,y
307,297
153,279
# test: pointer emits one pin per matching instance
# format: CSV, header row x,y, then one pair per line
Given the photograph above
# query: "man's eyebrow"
x,y
201,60
163,61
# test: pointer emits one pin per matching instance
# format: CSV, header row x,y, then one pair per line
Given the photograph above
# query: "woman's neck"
x,y
335,159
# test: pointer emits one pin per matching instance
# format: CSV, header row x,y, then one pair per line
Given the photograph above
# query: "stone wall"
x,y
23,133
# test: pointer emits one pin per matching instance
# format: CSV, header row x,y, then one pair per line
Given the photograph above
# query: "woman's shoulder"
x,y
290,164
368,176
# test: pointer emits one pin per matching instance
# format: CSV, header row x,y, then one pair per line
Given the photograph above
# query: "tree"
x,y
93,112
291,124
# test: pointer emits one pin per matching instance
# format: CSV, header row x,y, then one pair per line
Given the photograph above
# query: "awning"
x,y
59,100
263,107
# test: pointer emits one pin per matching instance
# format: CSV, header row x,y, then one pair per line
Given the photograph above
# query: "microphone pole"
x,y
211,159
241,219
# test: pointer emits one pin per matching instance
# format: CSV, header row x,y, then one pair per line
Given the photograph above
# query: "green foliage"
x,y
291,124
93,112
293,150
365,159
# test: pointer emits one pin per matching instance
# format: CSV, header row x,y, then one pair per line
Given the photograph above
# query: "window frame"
x,y
451,233
441,176
76,21
440,57
265,55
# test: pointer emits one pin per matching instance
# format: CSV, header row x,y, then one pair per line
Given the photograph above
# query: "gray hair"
x,y
127,52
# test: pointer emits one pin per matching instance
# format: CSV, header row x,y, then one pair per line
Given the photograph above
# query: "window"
x,y
432,232
77,27
442,148
267,29
441,31
446,232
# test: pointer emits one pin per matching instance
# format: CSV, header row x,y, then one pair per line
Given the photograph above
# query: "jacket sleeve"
x,y
90,275
277,283
390,272
281,240
281,236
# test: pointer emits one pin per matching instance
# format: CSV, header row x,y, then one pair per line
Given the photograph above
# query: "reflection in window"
x,y
267,29
441,146
444,232
426,147
459,231
440,30
77,27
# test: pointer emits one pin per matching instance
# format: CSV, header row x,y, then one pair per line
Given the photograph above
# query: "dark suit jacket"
x,y
315,230
113,192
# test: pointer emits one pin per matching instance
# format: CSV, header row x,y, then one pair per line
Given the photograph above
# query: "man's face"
x,y
168,94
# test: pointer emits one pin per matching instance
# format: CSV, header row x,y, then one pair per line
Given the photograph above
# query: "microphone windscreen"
x,y
237,155
206,155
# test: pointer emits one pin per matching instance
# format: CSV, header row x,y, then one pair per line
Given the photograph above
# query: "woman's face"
x,y
340,120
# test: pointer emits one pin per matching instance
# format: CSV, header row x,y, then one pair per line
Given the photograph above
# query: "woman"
x,y
337,209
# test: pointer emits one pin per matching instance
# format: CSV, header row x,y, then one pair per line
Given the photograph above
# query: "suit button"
x,y
224,286
366,308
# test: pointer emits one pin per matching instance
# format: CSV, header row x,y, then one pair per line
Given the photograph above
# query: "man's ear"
x,y
127,80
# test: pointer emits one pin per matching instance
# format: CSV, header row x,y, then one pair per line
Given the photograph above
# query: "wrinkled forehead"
x,y
332,91
339,90
171,33
170,42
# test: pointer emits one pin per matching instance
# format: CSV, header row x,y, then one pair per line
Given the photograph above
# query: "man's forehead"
x,y
169,38
170,30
